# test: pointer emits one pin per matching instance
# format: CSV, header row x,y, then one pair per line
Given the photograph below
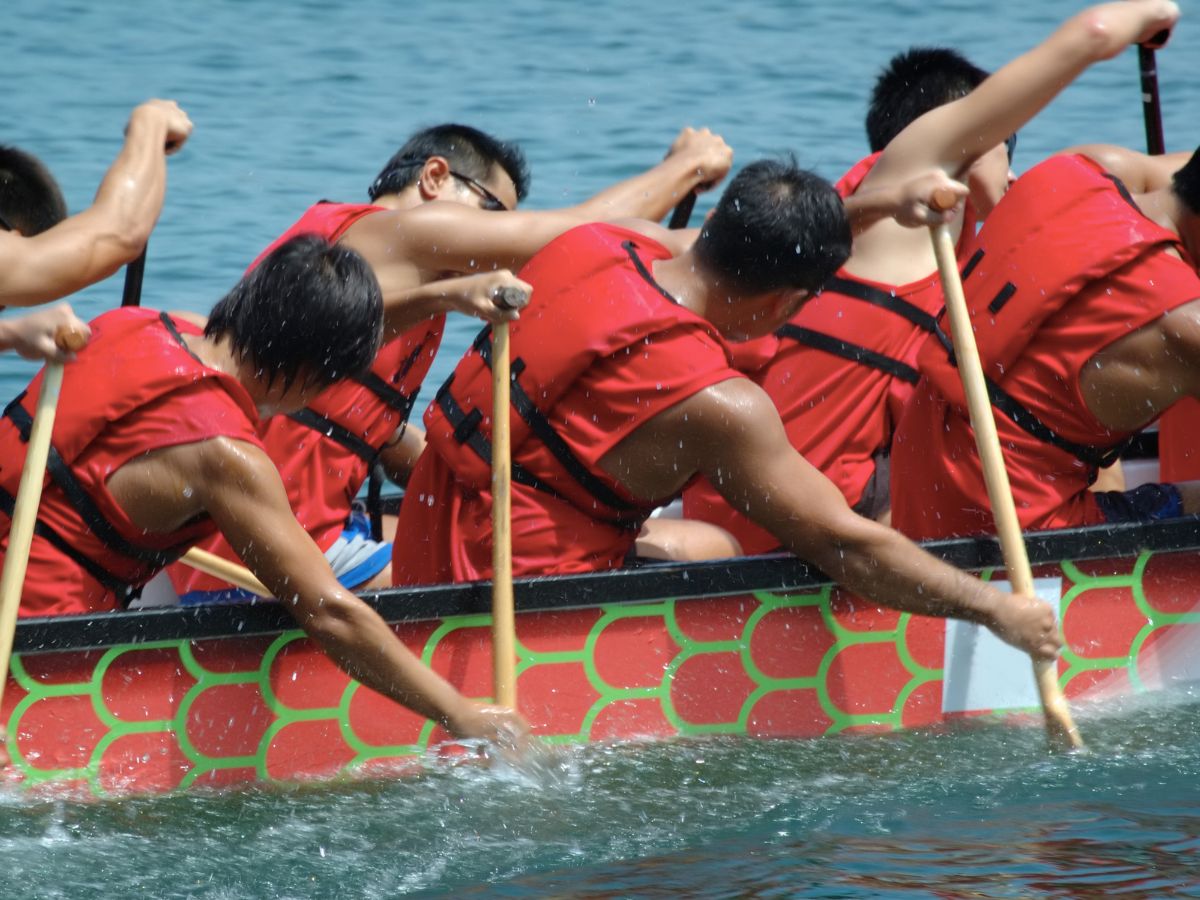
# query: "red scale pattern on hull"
x,y
793,714
1102,622
711,688
634,652
865,679
228,720
790,642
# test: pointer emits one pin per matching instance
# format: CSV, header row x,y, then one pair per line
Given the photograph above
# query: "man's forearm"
x,y
884,566
363,645
130,196
650,195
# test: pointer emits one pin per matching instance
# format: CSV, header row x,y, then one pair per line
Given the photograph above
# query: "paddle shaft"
x,y
1059,726
132,296
504,644
682,214
29,494
219,567
1151,105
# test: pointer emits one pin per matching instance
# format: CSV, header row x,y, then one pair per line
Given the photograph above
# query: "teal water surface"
x,y
303,100
980,811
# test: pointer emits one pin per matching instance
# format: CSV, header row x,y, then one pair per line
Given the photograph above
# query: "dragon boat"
x,y
167,699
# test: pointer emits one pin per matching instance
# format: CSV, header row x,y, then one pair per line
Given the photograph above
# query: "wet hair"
x,y
777,226
913,83
310,310
30,200
1185,184
469,151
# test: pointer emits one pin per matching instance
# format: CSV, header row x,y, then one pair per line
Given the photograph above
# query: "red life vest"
x,y
600,350
1051,280
842,370
325,451
87,554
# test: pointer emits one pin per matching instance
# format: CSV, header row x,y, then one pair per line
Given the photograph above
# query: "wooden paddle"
x,y
1059,726
29,494
504,644
226,570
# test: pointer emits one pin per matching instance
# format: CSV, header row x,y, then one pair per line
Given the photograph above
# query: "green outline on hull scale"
x,y
659,614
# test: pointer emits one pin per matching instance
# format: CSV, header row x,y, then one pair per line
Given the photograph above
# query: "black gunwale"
x,y
776,573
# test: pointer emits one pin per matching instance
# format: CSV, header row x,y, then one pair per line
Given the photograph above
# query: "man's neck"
x,y
1164,208
408,198
679,276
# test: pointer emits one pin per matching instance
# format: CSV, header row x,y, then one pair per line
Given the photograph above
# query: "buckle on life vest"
x,y
467,426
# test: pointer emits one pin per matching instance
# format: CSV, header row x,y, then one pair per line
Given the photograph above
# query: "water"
x,y
978,811
302,100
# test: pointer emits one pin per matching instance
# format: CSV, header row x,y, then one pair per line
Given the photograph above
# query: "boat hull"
x,y
174,699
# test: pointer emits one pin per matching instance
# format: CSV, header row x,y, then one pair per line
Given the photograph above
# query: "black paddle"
x,y
133,280
1151,107
683,212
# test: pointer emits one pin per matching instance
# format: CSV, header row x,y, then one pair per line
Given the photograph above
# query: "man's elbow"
x,y
330,620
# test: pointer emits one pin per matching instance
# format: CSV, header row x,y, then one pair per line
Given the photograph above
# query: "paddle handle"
x,y
29,494
1059,725
504,650
134,272
682,214
219,567
1151,105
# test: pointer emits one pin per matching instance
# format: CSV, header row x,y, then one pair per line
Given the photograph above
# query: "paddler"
x,y
842,370
1089,342
156,445
443,207
622,402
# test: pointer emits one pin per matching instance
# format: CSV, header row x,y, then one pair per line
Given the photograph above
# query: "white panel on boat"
x,y
984,673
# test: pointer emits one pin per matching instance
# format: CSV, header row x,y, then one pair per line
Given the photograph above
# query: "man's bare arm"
x,y
911,203
93,244
697,160
440,238
492,296
732,433
239,487
953,136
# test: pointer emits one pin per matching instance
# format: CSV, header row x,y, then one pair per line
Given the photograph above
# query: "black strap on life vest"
x,y
123,591
466,431
857,353
386,393
81,501
1019,414
375,501
857,290
541,427
852,352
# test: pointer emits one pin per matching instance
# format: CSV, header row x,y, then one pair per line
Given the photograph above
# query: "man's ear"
x,y
434,178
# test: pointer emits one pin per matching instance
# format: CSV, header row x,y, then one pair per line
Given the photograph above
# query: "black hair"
x,y
777,226
30,200
470,152
1185,184
913,83
311,309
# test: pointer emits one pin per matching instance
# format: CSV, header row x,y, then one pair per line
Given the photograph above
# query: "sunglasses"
x,y
491,202
1010,146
